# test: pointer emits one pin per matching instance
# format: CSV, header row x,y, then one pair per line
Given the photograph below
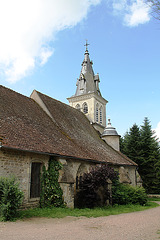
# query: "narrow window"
x,y
100,113
35,180
97,112
85,108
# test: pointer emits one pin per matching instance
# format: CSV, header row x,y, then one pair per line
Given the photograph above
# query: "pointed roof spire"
x,y
87,82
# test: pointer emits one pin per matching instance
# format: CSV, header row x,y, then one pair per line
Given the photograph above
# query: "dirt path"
x,y
143,225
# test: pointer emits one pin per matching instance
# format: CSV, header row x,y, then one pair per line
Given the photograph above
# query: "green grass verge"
x,y
154,199
96,212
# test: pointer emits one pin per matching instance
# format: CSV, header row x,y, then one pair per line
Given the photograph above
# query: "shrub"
x,y
127,194
10,198
51,192
96,179
91,183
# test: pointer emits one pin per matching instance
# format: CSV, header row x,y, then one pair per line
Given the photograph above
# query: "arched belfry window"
x,y
100,114
85,108
78,107
97,112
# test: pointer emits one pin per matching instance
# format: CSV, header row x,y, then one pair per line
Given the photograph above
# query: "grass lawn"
x,y
154,199
96,212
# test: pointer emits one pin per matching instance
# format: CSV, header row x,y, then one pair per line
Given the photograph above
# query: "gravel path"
x,y
143,225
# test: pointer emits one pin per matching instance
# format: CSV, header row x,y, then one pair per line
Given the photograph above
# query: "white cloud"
x,y
134,12
157,131
27,26
138,13
45,54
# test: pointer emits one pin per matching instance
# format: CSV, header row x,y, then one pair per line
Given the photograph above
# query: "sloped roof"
x,y
24,125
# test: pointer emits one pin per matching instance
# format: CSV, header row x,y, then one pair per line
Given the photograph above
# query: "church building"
x,y
36,128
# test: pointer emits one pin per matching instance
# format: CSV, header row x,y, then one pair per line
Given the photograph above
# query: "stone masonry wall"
x,y
18,164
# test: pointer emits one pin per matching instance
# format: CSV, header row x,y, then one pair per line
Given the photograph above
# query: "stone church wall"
x,y
72,169
127,174
18,164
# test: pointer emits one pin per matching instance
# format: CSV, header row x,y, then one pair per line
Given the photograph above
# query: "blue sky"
x,y
42,48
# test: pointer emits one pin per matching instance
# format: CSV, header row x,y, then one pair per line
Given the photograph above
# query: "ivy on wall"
x,y
51,192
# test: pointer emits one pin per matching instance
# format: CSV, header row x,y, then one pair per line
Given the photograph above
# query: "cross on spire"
x,y
86,45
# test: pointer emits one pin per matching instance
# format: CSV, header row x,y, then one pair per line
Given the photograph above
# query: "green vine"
x,y
51,192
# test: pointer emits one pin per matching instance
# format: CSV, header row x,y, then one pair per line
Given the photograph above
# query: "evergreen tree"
x,y
150,152
141,146
123,143
131,144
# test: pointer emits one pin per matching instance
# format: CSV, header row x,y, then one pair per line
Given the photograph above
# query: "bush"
x,y
92,183
10,198
96,179
127,194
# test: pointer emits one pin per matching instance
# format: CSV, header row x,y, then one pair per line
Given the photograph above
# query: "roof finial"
x,y
109,121
86,45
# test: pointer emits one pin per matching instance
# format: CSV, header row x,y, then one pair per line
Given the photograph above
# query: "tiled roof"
x,y
24,125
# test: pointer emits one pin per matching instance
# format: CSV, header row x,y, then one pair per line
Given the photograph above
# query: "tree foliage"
x,y
142,146
155,8
51,192
131,143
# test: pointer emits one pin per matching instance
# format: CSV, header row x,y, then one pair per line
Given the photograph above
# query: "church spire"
x,y
87,82
88,98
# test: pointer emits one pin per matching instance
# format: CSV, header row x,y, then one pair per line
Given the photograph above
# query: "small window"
x,y
100,113
78,106
85,108
97,112
35,180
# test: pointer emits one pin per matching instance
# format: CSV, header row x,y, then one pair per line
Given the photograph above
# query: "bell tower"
x,y
88,98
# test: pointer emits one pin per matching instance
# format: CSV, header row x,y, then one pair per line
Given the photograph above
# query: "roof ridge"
x,y
11,90
65,104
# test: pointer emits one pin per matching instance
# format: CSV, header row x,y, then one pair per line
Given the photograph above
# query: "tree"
x,y
140,145
151,158
123,143
131,144
155,6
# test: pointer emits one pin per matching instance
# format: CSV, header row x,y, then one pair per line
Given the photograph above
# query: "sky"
x,y
42,48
